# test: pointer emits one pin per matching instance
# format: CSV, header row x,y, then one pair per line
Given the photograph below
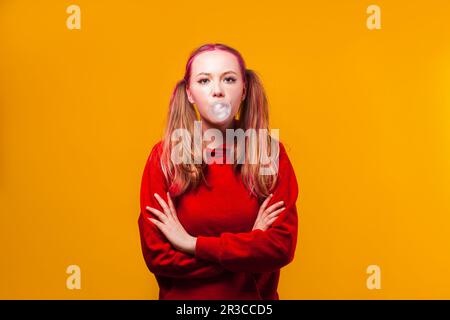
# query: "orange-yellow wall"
x,y
365,115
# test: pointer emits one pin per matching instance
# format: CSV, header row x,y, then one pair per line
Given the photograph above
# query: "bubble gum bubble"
x,y
219,111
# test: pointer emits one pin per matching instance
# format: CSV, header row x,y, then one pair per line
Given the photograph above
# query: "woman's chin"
x,y
220,122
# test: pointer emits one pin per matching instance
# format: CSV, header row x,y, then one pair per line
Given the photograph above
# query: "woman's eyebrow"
x,y
206,73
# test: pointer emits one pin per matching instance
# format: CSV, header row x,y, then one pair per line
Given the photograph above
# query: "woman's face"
x,y
216,77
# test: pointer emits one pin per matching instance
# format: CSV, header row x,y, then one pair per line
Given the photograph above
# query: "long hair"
x,y
253,114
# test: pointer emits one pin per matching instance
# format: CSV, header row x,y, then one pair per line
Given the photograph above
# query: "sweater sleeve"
x,y
160,256
258,250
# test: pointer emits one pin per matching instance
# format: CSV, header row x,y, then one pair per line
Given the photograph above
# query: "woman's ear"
x,y
244,94
189,95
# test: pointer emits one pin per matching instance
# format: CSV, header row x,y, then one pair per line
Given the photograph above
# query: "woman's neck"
x,y
206,125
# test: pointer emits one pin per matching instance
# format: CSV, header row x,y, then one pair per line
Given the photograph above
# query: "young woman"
x,y
214,229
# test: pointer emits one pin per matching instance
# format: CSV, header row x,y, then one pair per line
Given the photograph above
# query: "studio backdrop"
x,y
360,93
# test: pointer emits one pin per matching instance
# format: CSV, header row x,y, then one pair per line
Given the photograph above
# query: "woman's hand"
x,y
267,216
171,227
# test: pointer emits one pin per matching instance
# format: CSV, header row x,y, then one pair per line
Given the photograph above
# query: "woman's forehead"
x,y
216,61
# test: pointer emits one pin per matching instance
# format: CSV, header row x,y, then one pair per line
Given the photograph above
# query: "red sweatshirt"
x,y
231,261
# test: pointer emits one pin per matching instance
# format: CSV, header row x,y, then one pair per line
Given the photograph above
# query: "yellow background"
x,y
365,115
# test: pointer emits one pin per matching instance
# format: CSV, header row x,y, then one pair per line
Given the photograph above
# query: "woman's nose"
x,y
217,90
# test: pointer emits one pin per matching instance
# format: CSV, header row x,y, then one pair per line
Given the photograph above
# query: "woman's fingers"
x,y
269,223
157,223
267,215
161,216
274,206
171,206
162,203
264,204
274,214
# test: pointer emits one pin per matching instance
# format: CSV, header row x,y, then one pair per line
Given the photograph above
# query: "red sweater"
x,y
231,260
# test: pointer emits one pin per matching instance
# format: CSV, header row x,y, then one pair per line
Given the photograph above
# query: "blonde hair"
x,y
253,114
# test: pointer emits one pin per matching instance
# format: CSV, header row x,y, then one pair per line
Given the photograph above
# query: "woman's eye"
x,y
201,81
231,79
227,80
